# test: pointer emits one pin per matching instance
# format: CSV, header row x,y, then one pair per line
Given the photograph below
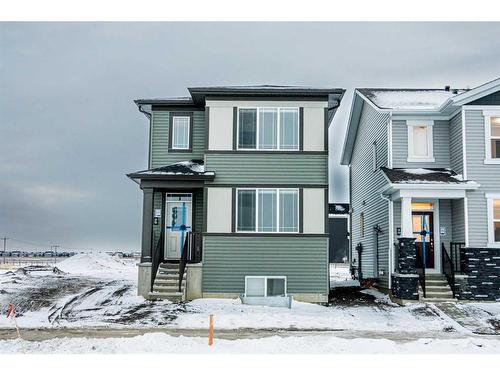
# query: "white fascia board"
x,y
373,105
476,93
430,193
465,186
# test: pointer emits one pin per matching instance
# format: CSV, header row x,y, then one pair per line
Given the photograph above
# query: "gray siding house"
x,y
235,194
425,190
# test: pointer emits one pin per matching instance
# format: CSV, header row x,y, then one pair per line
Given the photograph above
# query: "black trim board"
x,y
257,234
301,210
235,128
207,128
267,152
233,210
326,130
272,185
170,126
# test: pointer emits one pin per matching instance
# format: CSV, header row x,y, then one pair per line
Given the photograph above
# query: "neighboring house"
x,y
236,187
425,175
338,228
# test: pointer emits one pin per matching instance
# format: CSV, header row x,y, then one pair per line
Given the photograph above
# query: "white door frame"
x,y
435,230
167,201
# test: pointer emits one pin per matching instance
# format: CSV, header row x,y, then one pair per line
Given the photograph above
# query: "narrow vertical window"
x,y
247,131
246,210
374,156
289,129
289,204
180,132
267,211
420,147
362,224
268,129
495,137
496,220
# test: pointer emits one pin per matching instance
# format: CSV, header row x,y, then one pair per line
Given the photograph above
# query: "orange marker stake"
x,y
211,331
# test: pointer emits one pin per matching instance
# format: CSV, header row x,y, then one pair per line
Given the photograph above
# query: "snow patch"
x,y
411,99
99,265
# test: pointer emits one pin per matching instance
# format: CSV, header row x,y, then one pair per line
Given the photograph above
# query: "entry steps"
x,y
437,289
166,285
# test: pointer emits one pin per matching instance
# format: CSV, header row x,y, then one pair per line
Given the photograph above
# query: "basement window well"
x,y
265,286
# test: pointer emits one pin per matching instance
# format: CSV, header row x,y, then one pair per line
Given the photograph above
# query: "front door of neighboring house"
x,y
178,223
424,233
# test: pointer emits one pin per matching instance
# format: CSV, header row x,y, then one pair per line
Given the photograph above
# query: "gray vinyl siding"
x,y
227,260
492,99
441,147
487,175
160,155
365,196
458,220
456,152
267,168
445,221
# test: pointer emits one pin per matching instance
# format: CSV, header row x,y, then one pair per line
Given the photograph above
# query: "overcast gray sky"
x,y
70,132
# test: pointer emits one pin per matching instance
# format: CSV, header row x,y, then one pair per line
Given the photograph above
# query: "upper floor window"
x,y
180,132
420,142
374,157
493,219
268,129
492,136
267,210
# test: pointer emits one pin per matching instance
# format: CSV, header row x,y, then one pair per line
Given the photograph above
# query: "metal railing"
x,y
157,258
448,268
191,253
420,269
457,256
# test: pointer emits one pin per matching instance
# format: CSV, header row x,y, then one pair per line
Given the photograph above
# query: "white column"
x,y
406,220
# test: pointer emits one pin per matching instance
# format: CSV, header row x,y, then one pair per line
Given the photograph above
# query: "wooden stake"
x,y
17,327
211,331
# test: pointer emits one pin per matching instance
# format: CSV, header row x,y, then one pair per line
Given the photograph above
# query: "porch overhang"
x,y
183,174
438,190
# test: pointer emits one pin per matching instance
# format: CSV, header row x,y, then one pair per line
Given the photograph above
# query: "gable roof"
x,y
407,102
409,99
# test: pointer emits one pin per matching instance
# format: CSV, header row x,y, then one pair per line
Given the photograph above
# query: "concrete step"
x,y
434,276
169,276
161,281
167,288
448,294
432,299
436,282
169,266
173,297
437,288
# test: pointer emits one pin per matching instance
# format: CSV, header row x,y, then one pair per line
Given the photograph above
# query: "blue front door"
x,y
178,223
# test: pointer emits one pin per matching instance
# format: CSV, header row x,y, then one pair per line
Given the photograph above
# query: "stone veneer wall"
x,y
481,279
405,280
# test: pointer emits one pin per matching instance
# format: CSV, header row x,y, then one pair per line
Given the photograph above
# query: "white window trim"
x,y
173,133
487,136
430,141
265,284
491,228
257,131
277,210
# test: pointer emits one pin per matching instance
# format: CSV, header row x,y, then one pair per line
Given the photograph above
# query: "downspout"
x,y
391,231
149,116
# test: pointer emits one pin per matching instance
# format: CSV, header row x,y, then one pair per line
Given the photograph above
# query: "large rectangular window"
x,y
495,137
267,210
420,143
180,132
268,129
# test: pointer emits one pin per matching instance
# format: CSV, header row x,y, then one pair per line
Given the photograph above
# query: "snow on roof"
x,y
182,168
422,176
409,99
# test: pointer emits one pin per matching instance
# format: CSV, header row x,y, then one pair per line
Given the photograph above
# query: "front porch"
x,y
428,221
172,226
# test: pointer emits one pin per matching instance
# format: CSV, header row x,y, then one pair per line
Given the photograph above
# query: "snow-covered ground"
x,y
340,276
320,344
99,291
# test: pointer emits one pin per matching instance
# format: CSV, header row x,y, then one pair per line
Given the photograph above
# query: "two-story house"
x,y
425,190
235,197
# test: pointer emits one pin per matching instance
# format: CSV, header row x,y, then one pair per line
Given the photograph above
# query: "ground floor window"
x,y
493,218
267,210
265,286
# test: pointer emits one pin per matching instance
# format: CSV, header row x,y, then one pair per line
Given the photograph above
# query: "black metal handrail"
x,y
457,256
420,269
448,269
191,253
157,258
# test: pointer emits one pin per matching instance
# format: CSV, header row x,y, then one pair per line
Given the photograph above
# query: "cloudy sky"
x,y
70,132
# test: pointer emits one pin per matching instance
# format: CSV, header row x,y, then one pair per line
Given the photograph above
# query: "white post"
x,y
406,219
